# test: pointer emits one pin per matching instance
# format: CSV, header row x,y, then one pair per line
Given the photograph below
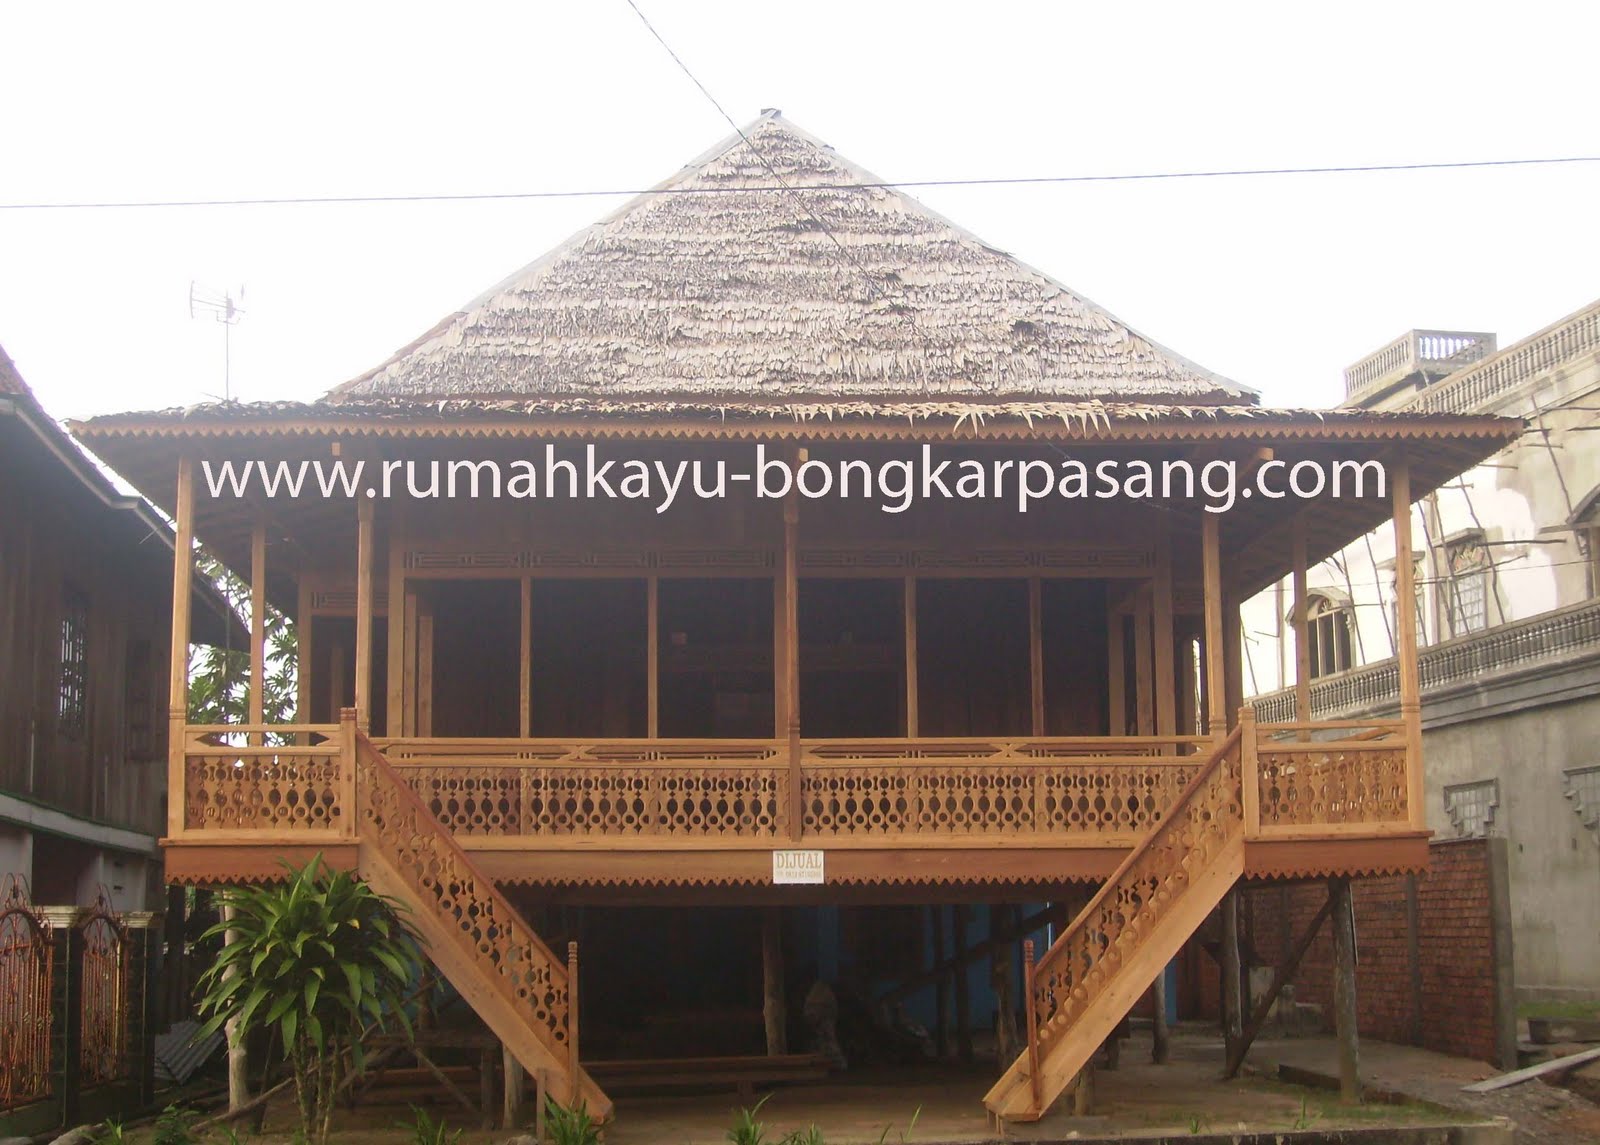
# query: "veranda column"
x,y
395,671
1211,579
1302,640
258,626
1406,641
363,690
791,649
178,664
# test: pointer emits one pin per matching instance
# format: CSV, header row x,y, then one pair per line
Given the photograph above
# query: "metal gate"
x,y
103,1053
26,980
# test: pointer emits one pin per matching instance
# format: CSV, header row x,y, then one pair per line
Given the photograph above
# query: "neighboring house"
x,y
751,731
85,592
1505,606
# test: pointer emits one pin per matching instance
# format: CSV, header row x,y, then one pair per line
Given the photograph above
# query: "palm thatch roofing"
x,y
772,268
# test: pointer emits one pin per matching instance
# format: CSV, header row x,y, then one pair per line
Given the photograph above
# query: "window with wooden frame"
x,y
1330,632
72,701
1467,585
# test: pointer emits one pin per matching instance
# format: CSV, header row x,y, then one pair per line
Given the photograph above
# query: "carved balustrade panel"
x,y
261,788
1340,782
606,800
396,822
985,799
1131,906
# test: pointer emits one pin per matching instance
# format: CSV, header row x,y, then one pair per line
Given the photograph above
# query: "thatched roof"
x,y
771,268
849,419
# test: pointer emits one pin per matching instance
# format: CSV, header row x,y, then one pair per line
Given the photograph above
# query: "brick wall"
x,y
1430,983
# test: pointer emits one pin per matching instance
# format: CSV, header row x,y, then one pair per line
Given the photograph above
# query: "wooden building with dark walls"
x,y
522,714
85,625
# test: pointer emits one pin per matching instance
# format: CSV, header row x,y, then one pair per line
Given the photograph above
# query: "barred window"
x,y
1467,587
1471,807
72,701
1329,634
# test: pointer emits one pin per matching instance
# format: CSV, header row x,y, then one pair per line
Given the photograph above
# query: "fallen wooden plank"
x,y
1518,1076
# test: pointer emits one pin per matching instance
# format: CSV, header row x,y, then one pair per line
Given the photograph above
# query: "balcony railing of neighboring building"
x,y
1374,687
1429,353
1477,385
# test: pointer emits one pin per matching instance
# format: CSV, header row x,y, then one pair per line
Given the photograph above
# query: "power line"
x,y
784,189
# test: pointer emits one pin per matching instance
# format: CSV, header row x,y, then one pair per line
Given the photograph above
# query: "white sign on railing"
x,y
797,867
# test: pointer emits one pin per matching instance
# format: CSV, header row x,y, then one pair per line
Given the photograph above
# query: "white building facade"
x,y
1507,570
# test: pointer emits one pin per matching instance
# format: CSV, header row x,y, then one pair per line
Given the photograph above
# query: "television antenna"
x,y
224,308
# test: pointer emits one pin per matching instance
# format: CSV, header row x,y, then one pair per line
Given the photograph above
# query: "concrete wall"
x,y
1554,860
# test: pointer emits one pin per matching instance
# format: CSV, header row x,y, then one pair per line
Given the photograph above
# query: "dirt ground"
x,y
1137,1100
1543,1114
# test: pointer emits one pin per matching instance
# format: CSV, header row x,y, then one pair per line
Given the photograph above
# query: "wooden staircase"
x,y
477,939
1111,953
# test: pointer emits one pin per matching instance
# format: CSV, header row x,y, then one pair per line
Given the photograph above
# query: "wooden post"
x,y
1233,648
791,652
1003,980
1216,672
1161,1049
652,608
1166,683
1117,670
1032,1011
525,661
773,1010
349,813
574,1074
1280,978
1232,1006
1036,652
1302,636
511,1110
302,645
363,690
909,601
1143,664
1344,989
178,665
258,627
1406,643
958,928
941,986
394,717
1249,773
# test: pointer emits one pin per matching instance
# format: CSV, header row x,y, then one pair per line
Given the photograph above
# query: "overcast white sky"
x,y
1276,282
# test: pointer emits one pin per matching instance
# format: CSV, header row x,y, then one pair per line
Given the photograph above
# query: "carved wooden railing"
x,y
1105,958
1133,901
455,901
1087,789
1356,783
1091,790
251,787
708,789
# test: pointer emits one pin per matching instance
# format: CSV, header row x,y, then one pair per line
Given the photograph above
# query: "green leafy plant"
x,y
810,1135
426,1131
1196,1124
313,960
746,1129
569,1125
111,1133
219,677
173,1127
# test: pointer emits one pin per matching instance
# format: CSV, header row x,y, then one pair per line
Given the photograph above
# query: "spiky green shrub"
x,y
315,960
